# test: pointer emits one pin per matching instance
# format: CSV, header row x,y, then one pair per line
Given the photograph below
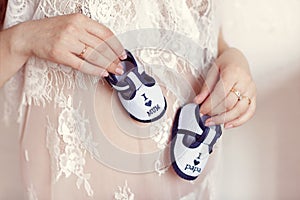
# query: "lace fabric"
x,y
68,109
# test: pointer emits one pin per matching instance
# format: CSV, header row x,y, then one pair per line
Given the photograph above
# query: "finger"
x,y
99,45
107,52
75,62
217,96
208,85
238,110
105,34
88,68
228,102
244,118
94,57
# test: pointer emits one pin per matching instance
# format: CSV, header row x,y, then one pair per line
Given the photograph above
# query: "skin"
x,y
62,39
231,70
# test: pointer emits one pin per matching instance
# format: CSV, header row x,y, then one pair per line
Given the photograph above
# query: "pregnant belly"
x,y
138,153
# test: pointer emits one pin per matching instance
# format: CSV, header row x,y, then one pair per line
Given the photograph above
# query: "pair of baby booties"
x,y
141,96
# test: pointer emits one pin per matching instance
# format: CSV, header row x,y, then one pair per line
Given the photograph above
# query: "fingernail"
x,y
104,74
119,71
123,55
229,126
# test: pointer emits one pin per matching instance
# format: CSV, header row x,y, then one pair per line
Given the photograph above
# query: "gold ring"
x,y
83,51
237,93
249,100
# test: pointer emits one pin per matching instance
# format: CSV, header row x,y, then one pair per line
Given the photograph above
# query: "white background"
x,y
261,160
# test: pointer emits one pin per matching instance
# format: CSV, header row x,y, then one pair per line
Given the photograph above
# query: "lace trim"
x,y
124,193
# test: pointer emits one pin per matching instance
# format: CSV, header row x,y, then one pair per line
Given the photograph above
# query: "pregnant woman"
x,y
76,139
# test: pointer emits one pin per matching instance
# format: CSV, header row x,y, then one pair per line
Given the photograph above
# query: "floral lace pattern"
x,y
65,143
124,193
161,133
113,13
12,91
60,7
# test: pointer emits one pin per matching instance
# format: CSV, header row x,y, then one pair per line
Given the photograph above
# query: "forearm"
x,y
12,52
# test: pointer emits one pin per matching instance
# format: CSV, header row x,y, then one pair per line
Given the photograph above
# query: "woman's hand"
x,y
229,93
76,41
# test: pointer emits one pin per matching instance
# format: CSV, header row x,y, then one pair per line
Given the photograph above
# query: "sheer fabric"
x,y
76,140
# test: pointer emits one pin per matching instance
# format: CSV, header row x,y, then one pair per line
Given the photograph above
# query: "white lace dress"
x,y
76,140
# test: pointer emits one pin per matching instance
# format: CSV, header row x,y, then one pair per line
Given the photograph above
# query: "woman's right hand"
x,y
76,41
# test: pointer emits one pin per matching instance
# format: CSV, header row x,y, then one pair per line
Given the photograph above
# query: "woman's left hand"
x,y
229,93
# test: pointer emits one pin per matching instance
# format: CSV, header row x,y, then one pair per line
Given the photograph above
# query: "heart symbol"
x,y
149,103
196,162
